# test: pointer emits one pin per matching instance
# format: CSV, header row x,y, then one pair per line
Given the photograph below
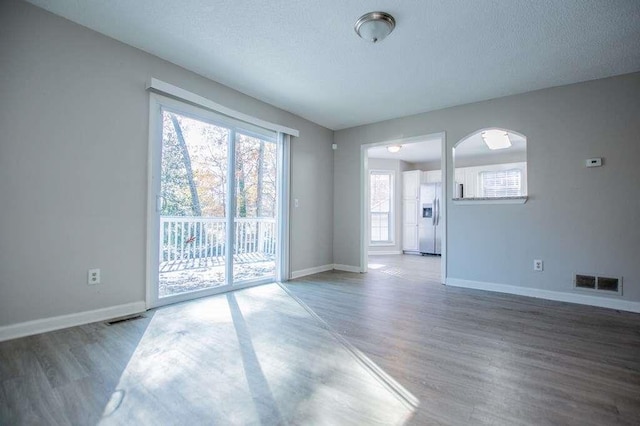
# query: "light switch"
x,y
296,203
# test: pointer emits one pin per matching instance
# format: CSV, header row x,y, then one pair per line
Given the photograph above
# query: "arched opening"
x,y
490,163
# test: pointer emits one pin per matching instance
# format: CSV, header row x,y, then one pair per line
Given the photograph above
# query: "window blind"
x,y
503,183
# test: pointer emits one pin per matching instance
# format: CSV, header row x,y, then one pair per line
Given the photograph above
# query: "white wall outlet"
x,y
538,265
296,203
93,277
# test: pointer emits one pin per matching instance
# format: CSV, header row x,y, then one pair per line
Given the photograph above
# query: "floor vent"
x,y
124,319
597,283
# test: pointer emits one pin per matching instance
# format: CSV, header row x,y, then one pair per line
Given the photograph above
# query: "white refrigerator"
x,y
429,227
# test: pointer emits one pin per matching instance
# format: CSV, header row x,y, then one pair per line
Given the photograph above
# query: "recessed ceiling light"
x,y
496,139
375,26
394,148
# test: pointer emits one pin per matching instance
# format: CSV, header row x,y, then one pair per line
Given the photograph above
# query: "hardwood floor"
x,y
254,356
475,357
392,346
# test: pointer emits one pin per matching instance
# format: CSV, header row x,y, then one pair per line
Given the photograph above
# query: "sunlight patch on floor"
x,y
375,266
250,356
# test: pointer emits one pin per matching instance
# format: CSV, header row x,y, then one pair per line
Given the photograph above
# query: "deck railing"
x,y
183,238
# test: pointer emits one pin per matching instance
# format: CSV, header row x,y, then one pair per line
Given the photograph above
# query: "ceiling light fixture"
x,y
375,26
394,148
496,139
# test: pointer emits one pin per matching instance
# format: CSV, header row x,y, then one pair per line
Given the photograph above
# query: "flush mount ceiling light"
x,y
394,148
375,26
496,139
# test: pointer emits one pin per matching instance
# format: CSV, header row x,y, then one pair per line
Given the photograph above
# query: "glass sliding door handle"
x,y
159,203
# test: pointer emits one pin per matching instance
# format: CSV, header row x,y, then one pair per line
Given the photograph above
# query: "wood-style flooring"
x,y
392,346
255,356
474,357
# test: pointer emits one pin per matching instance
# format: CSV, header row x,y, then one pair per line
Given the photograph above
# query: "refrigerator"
x,y
430,229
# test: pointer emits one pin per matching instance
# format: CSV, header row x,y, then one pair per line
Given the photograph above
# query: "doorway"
x,y
217,184
403,208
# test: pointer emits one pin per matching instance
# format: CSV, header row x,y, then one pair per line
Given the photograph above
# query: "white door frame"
x,y
156,102
364,196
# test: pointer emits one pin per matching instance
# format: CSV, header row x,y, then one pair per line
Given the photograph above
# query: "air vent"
x,y
608,284
586,281
124,319
598,283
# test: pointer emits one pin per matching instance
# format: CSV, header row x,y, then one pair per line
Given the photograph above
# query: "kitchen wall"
x,y
499,158
73,166
397,166
425,166
577,219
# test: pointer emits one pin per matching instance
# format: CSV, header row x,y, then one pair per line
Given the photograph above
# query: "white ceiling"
x,y
474,145
415,152
471,147
304,56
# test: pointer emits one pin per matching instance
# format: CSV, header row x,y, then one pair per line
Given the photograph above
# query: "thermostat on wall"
x,y
594,162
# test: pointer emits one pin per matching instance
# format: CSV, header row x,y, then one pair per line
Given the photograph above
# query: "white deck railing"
x,y
184,238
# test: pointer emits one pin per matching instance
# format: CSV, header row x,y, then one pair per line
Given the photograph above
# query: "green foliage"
x,y
207,144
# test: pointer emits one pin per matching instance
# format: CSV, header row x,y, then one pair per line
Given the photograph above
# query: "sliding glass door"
x,y
216,183
255,240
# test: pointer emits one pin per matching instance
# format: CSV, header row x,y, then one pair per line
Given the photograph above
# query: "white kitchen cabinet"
x,y
411,184
410,193
432,176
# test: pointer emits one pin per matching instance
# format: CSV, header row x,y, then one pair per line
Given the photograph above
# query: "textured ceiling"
x,y
304,56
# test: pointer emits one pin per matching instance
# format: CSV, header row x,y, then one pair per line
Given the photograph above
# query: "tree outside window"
x,y
381,202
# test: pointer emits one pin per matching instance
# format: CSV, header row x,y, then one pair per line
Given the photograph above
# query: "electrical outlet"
x,y
537,265
93,277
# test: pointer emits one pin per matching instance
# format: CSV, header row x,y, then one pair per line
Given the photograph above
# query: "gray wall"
x,y
398,167
73,166
576,219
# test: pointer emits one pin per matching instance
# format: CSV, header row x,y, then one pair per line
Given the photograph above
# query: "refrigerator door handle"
x,y
433,214
438,219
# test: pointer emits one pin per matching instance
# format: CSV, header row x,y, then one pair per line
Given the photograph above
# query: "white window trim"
x,y
392,210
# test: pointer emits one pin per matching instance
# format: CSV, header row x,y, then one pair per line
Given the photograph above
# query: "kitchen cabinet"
x,y
410,192
432,176
411,184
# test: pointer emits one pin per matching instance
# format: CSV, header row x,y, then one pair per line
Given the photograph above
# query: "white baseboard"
x,y
324,268
29,328
310,271
380,253
346,268
582,299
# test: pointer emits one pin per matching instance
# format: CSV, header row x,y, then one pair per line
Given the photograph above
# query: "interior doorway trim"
x,y
364,195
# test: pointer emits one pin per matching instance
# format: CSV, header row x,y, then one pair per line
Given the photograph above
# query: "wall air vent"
x,y
585,281
598,283
608,284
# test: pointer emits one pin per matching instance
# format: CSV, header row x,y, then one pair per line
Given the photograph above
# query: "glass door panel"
x,y
193,189
254,248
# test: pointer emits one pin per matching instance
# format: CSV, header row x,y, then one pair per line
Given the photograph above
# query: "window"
x,y
381,206
501,183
